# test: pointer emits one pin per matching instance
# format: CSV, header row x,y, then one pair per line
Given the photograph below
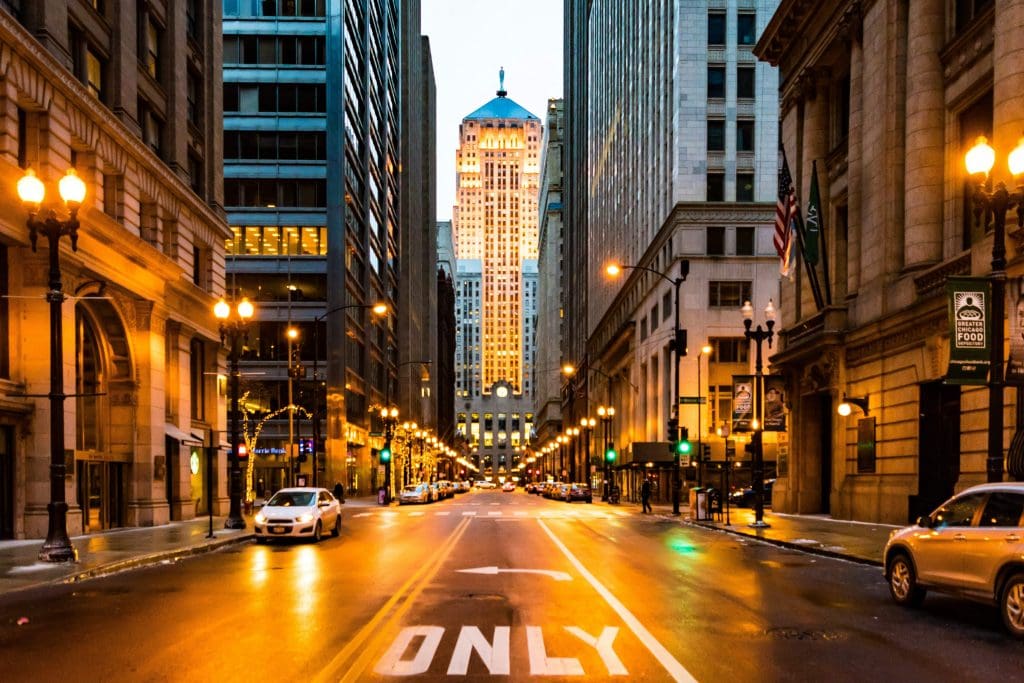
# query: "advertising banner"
x,y
1015,309
742,402
774,404
969,330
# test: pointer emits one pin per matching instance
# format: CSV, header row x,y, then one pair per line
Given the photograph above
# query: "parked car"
x,y
744,497
462,487
508,487
578,492
971,546
298,512
414,493
446,489
483,484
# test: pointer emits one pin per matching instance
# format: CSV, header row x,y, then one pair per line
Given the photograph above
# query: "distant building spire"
x,y
501,83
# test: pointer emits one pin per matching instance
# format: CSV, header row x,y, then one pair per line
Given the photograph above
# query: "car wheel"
x,y
318,532
336,531
1011,605
903,582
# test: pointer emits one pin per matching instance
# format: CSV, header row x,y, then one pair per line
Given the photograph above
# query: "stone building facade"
x,y
886,97
129,95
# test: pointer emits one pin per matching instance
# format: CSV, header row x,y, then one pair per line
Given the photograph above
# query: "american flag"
x,y
785,211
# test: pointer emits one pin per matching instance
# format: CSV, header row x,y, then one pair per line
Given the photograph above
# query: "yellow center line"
x,y
388,632
371,626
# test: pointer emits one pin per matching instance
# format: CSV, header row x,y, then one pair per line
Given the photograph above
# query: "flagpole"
x,y
816,196
812,276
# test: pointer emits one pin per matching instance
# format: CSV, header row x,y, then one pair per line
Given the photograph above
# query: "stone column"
x,y
925,144
854,159
1008,95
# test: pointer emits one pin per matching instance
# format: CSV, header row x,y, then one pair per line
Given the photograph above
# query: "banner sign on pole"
x,y
969,323
774,403
1015,308
742,402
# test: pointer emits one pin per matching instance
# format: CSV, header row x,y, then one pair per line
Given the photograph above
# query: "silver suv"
x,y
971,546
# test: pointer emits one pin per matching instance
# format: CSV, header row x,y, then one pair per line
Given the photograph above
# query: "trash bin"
x,y
699,504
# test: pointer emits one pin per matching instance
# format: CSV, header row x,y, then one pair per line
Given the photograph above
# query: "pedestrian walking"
x,y
339,491
645,494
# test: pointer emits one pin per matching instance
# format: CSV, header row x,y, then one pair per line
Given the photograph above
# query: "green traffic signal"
x,y
610,454
683,447
385,453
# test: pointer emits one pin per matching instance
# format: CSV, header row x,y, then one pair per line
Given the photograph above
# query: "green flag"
x,y
813,223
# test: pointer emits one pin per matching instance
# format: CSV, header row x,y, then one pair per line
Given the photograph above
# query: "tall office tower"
x,y
680,169
494,224
312,111
128,95
551,275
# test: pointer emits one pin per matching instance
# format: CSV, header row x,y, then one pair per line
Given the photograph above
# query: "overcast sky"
x,y
470,40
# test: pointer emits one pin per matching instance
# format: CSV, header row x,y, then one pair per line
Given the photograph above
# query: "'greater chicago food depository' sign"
x,y
969,330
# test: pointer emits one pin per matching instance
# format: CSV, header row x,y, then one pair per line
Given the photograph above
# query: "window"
x,y
745,241
745,82
967,10
5,360
714,241
195,175
22,138
975,120
193,94
197,365
271,193
716,82
149,48
745,135
840,111
716,187
744,187
643,329
957,512
728,293
151,126
655,320
729,349
113,191
1002,509
716,28
716,136
666,305
192,10
94,68
746,31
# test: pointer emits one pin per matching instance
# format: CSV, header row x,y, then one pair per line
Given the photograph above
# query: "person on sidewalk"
x,y
645,495
339,492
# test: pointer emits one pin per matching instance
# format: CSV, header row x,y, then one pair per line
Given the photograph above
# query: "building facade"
x,y
494,229
129,96
898,223
680,175
551,275
314,168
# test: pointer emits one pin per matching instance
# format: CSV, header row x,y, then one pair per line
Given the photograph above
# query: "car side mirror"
x,y
924,521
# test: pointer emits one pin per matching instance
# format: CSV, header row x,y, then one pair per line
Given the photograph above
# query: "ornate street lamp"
x,y
758,335
678,346
704,351
234,329
57,547
390,418
979,161
606,413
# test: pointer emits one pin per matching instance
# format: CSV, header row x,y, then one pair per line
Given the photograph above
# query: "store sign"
x,y
969,330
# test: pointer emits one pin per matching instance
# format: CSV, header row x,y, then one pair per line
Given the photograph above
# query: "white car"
x,y
298,512
482,484
414,493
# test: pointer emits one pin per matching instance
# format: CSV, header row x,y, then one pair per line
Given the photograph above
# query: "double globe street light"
x,y
234,330
758,335
31,191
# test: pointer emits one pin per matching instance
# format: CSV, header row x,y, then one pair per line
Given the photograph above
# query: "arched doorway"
x,y
103,422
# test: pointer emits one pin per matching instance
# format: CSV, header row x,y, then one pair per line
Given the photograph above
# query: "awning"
x,y
183,437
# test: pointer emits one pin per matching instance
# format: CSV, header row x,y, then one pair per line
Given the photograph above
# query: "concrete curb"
x,y
825,552
151,559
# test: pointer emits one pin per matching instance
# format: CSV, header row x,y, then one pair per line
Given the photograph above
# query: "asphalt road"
x,y
556,591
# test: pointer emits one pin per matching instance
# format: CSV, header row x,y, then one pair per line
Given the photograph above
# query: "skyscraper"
x,y
494,224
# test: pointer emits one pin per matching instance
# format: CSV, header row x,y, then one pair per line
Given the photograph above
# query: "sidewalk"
x,y
119,549
861,542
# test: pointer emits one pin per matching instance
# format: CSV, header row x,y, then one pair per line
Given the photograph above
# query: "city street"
x,y
494,583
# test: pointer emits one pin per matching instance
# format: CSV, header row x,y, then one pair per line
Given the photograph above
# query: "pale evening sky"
x,y
470,40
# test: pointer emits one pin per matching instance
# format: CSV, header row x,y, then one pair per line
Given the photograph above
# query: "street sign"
x,y
376,433
693,400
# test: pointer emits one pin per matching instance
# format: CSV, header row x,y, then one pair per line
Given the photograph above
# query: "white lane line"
x,y
664,657
494,513
494,503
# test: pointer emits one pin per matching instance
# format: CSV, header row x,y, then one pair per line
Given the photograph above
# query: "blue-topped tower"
x,y
494,229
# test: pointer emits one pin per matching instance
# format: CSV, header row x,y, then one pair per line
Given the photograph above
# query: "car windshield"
x,y
286,499
413,488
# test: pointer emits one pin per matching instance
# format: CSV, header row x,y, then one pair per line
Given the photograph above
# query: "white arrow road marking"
x,y
556,575
392,663
664,657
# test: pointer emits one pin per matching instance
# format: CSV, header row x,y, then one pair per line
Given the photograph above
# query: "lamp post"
x,y
378,309
390,419
586,426
31,191
704,351
678,346
758,335
234,328
606,413
979,161
292,334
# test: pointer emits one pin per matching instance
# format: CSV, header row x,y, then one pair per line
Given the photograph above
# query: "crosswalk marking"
x,y
418,513
494,513
443,514
469,513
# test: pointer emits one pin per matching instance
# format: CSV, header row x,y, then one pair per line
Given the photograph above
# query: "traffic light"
x,y
705,451
673,431
609,453
682,446
385,453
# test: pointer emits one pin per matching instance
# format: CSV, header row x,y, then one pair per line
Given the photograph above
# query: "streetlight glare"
x,y
706,349
71,188
245,308
980,158
221,310
568,369
293,333
844,409
1016,159
31,189
613,269
380,308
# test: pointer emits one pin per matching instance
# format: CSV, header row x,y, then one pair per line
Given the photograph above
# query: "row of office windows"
x,y
273,50
275,146
716,187
744,135
272,193
288,98
273,240
721,294
746,28
274,8
745,82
